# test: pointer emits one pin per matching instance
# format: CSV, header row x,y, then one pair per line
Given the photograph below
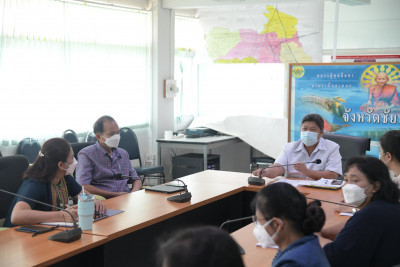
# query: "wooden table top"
x,y
142,209
21,249
241,179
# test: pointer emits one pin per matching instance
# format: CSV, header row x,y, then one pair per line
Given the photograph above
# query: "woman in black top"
x,y
371,237
48,180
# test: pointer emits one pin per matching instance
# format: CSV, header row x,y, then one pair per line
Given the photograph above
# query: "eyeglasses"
x,y
255,219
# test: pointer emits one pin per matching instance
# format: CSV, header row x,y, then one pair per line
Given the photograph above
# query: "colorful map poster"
x,y
358,99
280,33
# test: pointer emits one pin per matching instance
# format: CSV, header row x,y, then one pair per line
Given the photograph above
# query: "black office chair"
x,y
12,169
350,146
91,137
76,147
30,148
70,136
260,161
130,143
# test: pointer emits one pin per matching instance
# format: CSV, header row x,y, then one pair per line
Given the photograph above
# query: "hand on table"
x,y
301,167
99,207
257,172
73,210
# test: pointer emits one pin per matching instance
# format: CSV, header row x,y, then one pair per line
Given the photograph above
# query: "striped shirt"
x,y
96,167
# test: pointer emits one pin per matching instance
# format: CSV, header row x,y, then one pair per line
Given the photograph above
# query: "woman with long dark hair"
x,y
48,180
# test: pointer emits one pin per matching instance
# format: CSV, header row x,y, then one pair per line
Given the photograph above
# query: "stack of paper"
x,y
323,183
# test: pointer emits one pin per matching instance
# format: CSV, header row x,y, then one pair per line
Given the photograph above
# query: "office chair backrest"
x,y
76,147
30,148
70,136
350,146
91,137
12,169
130,143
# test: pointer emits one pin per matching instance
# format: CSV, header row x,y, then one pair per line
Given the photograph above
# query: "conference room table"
x,y
131,237
21,249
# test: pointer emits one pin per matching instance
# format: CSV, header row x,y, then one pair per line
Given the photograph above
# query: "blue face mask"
x,y
309,138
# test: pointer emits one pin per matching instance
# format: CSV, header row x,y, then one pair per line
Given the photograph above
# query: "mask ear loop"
x,y
68,166
387,160
278,231
61,166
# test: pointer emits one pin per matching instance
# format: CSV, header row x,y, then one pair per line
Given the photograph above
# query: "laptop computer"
x,y
165,189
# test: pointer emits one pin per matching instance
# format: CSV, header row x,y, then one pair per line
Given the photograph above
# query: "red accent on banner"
x,y
366,56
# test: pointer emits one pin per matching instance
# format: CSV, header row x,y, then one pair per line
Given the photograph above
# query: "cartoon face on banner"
x,y
354,99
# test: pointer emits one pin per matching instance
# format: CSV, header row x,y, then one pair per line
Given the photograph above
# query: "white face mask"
x,y
395,179
309,138
112,141
263,237
71,167
353,194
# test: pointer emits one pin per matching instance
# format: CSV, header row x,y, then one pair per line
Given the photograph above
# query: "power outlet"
x,y
170,89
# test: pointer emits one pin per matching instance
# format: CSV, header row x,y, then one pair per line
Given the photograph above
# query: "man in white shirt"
x,y
309,148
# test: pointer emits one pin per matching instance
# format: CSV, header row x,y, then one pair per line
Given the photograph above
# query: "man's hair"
x,y
319,121
98,126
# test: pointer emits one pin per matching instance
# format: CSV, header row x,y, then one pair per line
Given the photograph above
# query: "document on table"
x,y
323,183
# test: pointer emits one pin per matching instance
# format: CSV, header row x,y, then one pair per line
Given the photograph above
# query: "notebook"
x,y
165,188
96,217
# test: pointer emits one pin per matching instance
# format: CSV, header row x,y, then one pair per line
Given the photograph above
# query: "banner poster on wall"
x,y
353,99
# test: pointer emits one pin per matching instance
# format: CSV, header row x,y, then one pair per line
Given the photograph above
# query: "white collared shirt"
x,y
295,152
